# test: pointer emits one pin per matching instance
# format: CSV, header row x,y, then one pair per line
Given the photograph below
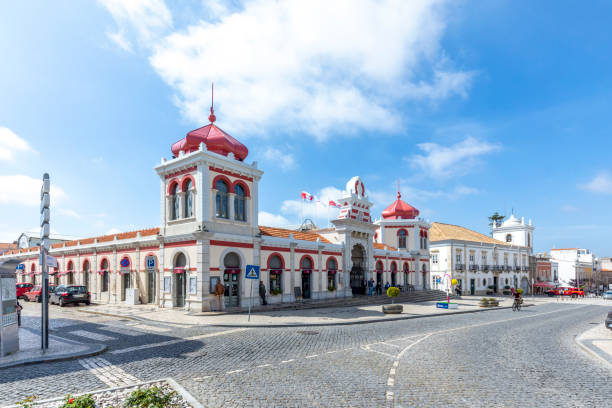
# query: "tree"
x,y
496,218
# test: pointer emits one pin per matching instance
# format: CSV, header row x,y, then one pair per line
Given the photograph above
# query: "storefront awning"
x,y
331,271
276,271
543,285
306,271
232,271
379,271
176,270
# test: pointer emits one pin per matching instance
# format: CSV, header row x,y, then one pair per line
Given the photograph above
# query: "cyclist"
x,y
517,300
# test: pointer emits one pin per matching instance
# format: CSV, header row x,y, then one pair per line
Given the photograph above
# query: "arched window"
x,y
239,203
86,273
70,274
379,266
509,238
276,273
180,261
188,199
528,240
306,264
401,239
231,261
104,267
174,202
222,190
332,269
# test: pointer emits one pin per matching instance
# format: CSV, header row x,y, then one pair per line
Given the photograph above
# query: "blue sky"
x,y
474,106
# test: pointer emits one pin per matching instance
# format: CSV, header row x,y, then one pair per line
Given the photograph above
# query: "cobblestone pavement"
x,y
497,358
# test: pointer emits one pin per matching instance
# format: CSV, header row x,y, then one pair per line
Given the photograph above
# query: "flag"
x,y
333,204
306,196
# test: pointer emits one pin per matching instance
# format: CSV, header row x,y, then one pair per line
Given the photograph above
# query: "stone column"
x,y
181,200
96,267
230,204
161,271
115,269
292,266
203,268
322,287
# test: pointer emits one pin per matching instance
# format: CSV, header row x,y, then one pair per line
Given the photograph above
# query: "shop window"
x,y
434,258
105,277
222,207
401,239
276,269
174,203
188,199
509,238
239,203
332,268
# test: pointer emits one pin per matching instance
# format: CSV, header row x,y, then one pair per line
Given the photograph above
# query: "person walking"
x,y
19,308
378,288
262,293
370,287
219,292
387,286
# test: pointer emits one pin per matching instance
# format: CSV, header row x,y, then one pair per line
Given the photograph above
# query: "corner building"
x,y
209,232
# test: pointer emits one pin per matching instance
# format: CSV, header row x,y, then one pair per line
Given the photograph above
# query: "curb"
x,y
578,340
93,350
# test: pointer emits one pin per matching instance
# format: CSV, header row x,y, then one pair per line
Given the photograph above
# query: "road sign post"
x,y
252,273
45,200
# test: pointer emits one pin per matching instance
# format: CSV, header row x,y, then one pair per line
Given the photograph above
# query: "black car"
x,y
609,320
65,294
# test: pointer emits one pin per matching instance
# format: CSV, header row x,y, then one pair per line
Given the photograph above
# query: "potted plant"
x,y
491,288
393,292
493,302
506,290
275,292
331,288
484,302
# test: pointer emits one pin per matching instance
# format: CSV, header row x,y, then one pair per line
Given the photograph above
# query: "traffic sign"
x,y
252,272
21,267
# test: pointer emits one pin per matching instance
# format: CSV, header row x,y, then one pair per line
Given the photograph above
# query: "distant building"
x,y
481,263
604,273
31,240
4,247
576,266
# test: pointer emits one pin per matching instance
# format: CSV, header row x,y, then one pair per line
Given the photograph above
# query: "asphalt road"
x,y
495,358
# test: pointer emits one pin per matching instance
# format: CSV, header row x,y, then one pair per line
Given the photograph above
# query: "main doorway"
x,y
151,276
180,264
472,286
358,270
125,277
306,266
231,280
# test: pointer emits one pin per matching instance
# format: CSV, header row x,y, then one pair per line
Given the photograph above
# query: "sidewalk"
x,y
282,318
59,349
598,342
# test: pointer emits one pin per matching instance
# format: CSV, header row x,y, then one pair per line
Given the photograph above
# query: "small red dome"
x,y
216,140
400,210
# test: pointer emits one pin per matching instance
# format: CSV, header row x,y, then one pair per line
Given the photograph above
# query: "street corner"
x,y
597,342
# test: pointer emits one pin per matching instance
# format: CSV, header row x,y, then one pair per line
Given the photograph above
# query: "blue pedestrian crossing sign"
x,y
252,272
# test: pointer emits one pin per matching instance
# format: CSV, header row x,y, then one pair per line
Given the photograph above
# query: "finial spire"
x,y
212,116
399,194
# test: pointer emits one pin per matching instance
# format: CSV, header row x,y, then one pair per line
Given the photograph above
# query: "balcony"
x,y
459,267
485,268
524,268
517,268
473,267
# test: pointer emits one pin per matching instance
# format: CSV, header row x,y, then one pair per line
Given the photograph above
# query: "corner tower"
x,y
515,231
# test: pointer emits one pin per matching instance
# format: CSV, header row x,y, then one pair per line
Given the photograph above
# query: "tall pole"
x,y
251,299
44,249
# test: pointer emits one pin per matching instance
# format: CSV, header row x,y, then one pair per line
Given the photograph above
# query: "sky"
x,y
472,107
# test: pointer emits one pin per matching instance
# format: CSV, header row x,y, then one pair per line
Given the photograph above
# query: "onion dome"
x,y
400,210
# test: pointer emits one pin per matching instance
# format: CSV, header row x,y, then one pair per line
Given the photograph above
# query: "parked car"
x,y
607,295
35,294
565,291
65,294
609,320
22,288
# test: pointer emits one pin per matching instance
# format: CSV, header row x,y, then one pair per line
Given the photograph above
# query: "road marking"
x,y
92,335
175,341
264,365
202,378
312,356
287,361
234,371
109,374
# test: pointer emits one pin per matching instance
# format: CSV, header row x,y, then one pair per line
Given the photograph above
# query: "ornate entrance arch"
x,y
358,269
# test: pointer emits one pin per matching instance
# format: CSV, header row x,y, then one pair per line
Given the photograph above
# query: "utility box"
x,y
9,331
132,296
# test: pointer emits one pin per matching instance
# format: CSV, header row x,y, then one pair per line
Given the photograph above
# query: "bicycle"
x,y
516,306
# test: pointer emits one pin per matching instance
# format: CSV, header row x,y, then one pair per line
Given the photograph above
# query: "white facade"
x,y
576,265
514,231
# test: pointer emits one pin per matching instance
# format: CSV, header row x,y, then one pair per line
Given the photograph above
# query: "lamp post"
x,y
45,200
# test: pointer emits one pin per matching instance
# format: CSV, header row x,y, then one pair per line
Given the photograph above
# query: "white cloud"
x,y
272,220
25,190
601,183
444,161
284,160
145,20
113,231
311,66
10,144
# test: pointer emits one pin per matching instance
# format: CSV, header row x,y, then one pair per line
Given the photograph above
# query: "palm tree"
x,y
495,219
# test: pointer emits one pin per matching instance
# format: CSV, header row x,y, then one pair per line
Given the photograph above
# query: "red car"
x,y
22,288
566,291
34,295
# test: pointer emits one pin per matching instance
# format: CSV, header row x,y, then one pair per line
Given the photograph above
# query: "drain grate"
x,y
308,332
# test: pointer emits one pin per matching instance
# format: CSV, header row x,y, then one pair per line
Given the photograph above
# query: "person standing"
x,y
219,292
262,293
370,287
19,308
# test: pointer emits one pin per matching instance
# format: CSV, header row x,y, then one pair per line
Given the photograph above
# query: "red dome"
x,y
400,210
216,140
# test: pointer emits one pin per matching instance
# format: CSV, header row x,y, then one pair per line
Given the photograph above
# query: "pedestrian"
x,y
19,308
458,290
370,287
387,286
378,288
262,293
219,292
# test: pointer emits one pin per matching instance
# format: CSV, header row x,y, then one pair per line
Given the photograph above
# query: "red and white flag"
x,y
306,196
333,204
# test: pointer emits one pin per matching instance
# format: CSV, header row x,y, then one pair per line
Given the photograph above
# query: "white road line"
x,y
109,374
170,342
287,361
312,356
92,335
234,371
264,365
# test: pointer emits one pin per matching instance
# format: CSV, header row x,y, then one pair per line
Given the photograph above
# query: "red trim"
x,y
178,270
180,173
379,271
270,248
305,251
229,173
179,244
306,271
391,267
104,252
171,184
331,253
309,257
399,226
230,186
150,248
379,263
327,262
332,271
231,244
184,181
232,271
276,271
128,258
102,261
214,269
281,258
247,192
424,260
88,264
400,230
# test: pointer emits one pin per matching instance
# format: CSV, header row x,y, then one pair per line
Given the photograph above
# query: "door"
x,y
126,284
306,285
232,289
180,289
151,286
393,279
357,281
472,286
86,279
495,284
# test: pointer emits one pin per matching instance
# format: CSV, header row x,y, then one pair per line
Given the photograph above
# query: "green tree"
x,y
496,218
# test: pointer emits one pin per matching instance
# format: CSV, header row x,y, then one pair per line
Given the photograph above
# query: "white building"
x,y
480,263
576,265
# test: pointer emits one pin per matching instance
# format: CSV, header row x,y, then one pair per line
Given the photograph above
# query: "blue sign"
x,y
150,262
125,262
252,272
21,267
442,305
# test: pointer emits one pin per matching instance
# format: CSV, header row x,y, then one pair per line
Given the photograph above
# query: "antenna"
x,y
399,194
212,116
